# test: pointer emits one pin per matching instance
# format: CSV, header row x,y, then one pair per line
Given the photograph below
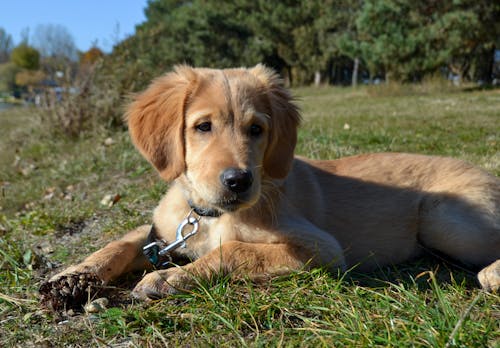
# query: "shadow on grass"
x,y
418,273
413,274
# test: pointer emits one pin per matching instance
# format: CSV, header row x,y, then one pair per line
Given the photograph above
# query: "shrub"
x,y
26,57
89,102
429,85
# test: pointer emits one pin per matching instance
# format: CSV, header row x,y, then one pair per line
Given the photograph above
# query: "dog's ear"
x,y
285,118
156,121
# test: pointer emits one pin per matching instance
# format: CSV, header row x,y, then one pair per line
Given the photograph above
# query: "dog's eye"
x,y
204,127
255,130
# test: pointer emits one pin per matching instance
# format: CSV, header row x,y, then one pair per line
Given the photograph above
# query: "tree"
x,y
201,33
90,57
384,33
310,55
480,38
55,41
6,45
25,57
408,39
281,34
402,39
273,23
8,73
57,49
339,37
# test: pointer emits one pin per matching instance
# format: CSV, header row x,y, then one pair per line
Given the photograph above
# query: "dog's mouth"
x,y
219,207
204,210
208,203
231,205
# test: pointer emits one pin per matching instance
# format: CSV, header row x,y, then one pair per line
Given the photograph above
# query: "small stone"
x,y
45,248
93,308
93,318
29,206
187,316
49,193
347,126
17,160
51,189
96,306
103,301
26,171
110,200
109,141
106,200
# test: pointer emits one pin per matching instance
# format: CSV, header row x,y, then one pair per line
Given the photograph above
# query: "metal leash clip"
x,y
180,240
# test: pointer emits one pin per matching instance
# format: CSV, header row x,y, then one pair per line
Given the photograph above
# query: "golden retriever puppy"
x,y
241,203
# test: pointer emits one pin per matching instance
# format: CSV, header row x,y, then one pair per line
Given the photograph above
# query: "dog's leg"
x,y
467,228
71,286
235,258
489,277
116,258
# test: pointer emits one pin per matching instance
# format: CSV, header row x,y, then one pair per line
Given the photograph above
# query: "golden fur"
x,y
364,211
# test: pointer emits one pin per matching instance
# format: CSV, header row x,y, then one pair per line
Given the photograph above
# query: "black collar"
x,y
207,212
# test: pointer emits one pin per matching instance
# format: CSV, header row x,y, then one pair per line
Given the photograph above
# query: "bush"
x,y
90,102
429,85
8,73
26,57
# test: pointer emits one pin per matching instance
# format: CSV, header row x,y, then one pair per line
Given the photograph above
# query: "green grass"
x,y
51,215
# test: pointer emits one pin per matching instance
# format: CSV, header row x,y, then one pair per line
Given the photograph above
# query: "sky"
x,y
86,20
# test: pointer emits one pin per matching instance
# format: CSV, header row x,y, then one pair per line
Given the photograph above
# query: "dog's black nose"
x,y
237,180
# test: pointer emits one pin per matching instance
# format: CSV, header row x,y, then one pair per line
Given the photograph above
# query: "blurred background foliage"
x,y
339,42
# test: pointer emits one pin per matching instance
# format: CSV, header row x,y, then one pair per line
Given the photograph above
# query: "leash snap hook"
x,y
180,240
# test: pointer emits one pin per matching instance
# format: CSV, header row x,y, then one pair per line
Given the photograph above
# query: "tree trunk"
x,y
329,72
317,78
289,78
485,72
355,70
460,69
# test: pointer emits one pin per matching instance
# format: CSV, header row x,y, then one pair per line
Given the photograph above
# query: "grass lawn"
x,y
51,216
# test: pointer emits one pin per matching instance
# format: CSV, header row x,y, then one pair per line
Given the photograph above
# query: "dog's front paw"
x,y
489,277
160,284
69,290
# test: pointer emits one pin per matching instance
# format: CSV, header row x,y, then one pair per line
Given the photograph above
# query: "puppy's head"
x,y
220,133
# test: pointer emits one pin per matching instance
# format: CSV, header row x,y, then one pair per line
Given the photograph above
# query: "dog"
x,y
242,204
